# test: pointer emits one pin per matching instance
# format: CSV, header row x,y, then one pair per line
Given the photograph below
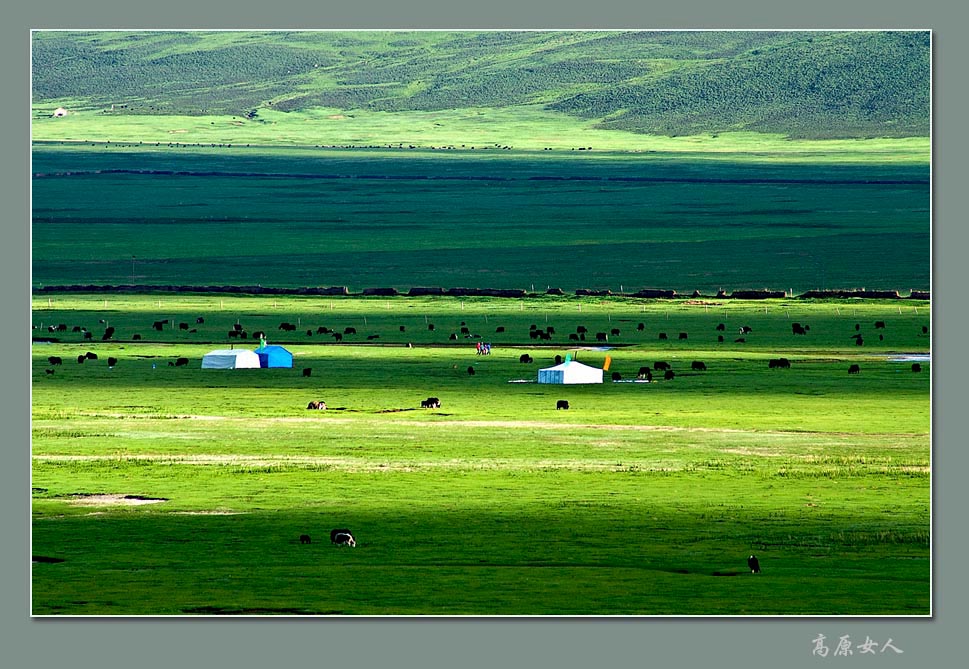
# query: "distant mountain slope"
x,y
803,84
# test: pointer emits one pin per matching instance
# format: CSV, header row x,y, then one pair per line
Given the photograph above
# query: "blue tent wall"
x,y
274,356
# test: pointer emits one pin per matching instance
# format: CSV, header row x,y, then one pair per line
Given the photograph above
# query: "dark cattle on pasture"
x,y
532,327
55,360
558,360
403,328
309,333
431,403
719,339
698,366
859,341
573,337
602,336
660,365
561,404
754,564
721,327
307,371
305,539
641,327
614,332
746,329
372,337
48,371
465,330
342,536
112,362
181,362
454,336
136,337
258,334
158,325
662,335
62,327
669,375
524,358
533,334
779,363
349,331
88,335
683,335
199,320
879,325
320,330
336,336
581,329
854,369
740,340
233,334
550,330
616,376
76,328
183,326
925,329
237,327
500,328
430,326
798,329
287,327
916,367
108,333
857,326
470,371
317,405
81,359
91,356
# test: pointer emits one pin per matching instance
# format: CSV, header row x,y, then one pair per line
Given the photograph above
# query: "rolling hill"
x,y
807,85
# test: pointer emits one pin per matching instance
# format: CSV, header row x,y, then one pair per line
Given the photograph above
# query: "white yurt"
x,y
570,371
230,359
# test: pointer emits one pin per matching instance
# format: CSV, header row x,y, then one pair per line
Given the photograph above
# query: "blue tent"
x,y
274,356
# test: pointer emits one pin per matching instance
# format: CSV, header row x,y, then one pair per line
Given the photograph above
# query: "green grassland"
x,y
805,85
203,215
641,499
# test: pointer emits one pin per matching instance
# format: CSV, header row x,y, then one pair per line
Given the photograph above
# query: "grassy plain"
x,y
641,499
312,216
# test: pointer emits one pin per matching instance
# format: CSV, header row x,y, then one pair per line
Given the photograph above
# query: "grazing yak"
x,y
561,404
602,336
318,406
431,403
55,360
349,331
745,329
558,360
342,537
798,329
49,371
662,335
916,367
644,374
683,335
199,320
183,326
698,366
136,337
719,339
779,363
641,327
91,356
854,369
721,327
614,332
754,564
287,327
305,539
616,376
879,325
525,358
470,371
112,362
500,328
81,359
660,366
307,371
181,362
669,375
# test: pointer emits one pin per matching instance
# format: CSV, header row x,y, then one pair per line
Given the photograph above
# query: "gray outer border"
x,y
144,643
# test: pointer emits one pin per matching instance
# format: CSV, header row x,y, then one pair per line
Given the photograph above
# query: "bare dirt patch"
x,y
113,500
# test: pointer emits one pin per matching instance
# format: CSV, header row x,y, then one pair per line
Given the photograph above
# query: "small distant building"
x,y
274,356
230,359
570,372
59,112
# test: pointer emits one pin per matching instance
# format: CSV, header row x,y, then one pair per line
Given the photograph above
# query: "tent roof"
x,y
566,365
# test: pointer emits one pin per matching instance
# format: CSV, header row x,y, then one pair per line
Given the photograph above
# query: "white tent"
x,y
570,372
230,359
